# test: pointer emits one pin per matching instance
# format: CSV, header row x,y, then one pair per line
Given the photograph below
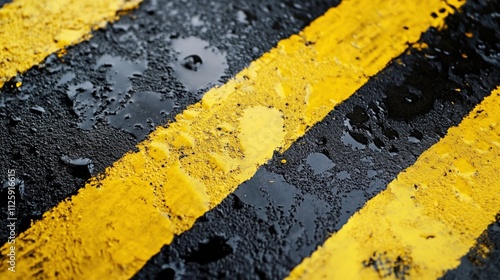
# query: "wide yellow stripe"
x,y
119,220
30,30
429,216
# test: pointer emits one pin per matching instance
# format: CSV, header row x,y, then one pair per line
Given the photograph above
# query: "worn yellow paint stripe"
x,y
119,220
30,30
429,216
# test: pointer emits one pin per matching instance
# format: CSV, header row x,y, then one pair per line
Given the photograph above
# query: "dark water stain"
x,y
142,112
358,117
390,133
14,120
213,249
417,95
171,271
197,64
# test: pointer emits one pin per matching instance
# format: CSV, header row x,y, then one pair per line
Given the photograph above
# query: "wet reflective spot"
x,y
192,62
118,74
265,189
415,136
92,104
142,112
84,103
197,64
274,201
350,202
319,163
241,17
197,21
355,140
14,120
67,77
342,175
171,271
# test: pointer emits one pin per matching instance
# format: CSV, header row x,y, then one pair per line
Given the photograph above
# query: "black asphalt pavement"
x,y
65,124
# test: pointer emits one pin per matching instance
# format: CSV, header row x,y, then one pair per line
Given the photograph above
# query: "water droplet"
x,y
415,136
191,62
197,65
14,120
196,21
37,110
412,139
241,17
79,167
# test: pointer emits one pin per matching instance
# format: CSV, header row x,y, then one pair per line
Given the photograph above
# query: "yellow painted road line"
x,y
429,216
30,30
119,220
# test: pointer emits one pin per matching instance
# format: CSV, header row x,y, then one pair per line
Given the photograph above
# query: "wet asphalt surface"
x,y
78,114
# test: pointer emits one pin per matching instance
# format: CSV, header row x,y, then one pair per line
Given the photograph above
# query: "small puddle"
x,y
266,189
118,76
266,193
319,163
116,104
358,143
142,113
197,64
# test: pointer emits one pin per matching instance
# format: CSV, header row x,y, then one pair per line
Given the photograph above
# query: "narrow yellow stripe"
x,y
30,30
119,220
429,216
